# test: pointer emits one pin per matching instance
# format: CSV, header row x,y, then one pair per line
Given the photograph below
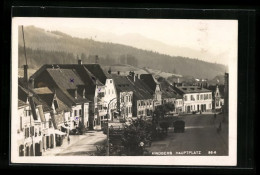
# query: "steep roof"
x,y
168,90
122,84
65,78
48,96
220,87
191,89
97,71
140,89
90,80
149,80
23,94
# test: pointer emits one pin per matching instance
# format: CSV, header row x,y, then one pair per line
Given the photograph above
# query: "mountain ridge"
x,y
56,41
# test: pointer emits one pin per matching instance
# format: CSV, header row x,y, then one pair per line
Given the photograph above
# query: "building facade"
x,y
195,98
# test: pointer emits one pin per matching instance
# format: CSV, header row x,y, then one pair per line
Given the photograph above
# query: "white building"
x,y
195,98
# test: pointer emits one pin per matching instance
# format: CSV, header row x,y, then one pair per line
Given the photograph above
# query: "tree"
x,y
161,110
136,136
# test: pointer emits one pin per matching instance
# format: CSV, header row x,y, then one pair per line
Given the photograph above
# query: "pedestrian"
x,y
68,139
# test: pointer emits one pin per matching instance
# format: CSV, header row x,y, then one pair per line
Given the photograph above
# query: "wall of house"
x,y
179,105
99,110
126,104
48,132
200,102
86,114
110,94
144,107
75,116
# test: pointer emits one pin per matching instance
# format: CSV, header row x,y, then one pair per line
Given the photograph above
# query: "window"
x,y
126,98
80,112
198,97
209,96
185,98
110,81
75,113
192,98
31,131
55,104
201,97
26,132
209,106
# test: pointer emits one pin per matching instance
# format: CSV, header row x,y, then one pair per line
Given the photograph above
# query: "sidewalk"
x,y
58,149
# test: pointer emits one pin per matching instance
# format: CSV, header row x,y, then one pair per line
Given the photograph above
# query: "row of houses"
x,y
58,99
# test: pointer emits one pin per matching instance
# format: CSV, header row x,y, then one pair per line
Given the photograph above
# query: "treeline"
x,y
37,58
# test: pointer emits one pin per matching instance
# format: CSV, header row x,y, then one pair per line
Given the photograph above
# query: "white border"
x,y
230,160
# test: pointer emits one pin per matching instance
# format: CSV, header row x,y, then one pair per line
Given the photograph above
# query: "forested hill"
x,y
55,47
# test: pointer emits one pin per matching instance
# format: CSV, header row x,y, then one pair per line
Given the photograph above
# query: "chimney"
x,y
109,70
96,59
118,72
31,83
79,62
76,94
25,75
83,93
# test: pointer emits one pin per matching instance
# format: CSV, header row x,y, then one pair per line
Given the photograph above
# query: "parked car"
x,y
179,126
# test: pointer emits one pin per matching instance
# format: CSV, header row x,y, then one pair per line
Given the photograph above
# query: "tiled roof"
x,y
65,78
122,84
48,96
97,71
90,81
140,89
22,95
191,89
149,80
168,90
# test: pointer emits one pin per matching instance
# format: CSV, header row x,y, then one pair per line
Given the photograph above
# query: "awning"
x,y
59,132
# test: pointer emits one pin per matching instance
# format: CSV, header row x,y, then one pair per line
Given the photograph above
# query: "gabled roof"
x,y
65,78
220,87
168,90
122,84
97,71
89,80
149,80
48,96
23,95
140,89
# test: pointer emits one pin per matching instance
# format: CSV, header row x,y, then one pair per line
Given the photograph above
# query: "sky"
x,y
215,40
